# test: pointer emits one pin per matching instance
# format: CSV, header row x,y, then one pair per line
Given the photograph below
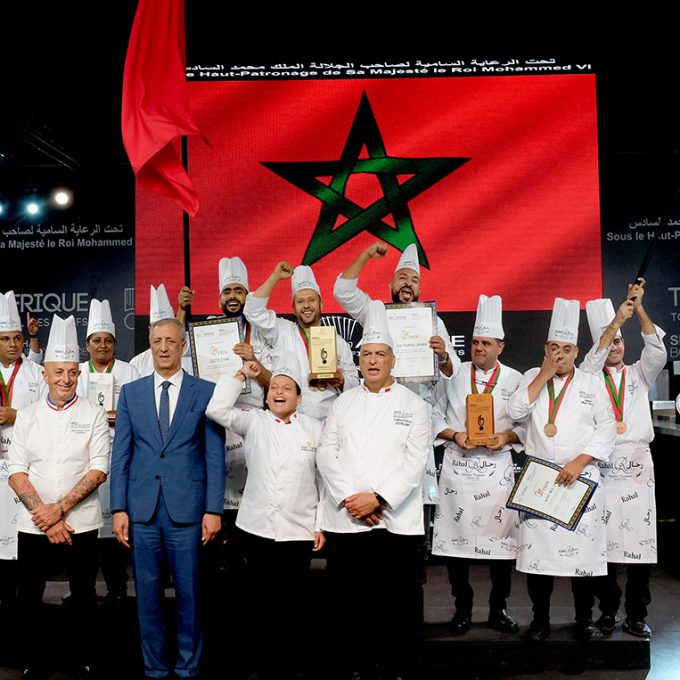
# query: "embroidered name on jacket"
x,y
402,418
586,398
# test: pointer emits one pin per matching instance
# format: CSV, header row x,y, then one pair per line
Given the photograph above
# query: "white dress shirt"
x,y
173,390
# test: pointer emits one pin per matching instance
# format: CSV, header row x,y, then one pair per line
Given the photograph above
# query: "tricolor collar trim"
x,y
68,404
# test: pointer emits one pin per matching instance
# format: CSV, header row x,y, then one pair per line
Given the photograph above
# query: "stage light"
x,y
32,208
61,197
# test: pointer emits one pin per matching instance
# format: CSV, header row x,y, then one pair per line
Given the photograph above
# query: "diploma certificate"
x,y
411,327
212,349
536,493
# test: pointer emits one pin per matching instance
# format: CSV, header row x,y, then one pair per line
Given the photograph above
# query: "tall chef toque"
x,y
303,277
600,314
409,259
9,314
233,272
489,321
287,364
63,341
564,321
376,329
99,319
160,307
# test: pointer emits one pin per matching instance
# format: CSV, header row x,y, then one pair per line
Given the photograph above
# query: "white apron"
x,y
628,476
547,548
29,386
628,481
585,424
471,519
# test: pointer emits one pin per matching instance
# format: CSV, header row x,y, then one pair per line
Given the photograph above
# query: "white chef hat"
x,y
303,277
232,272
62,344
9,314
286,363
564,321
409,259
600,314
489,321
376,329
160,307
99,319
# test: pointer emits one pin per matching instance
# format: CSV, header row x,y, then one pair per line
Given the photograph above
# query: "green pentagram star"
x,y
422,172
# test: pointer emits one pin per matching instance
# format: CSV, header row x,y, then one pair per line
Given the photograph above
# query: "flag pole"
x,y
185,226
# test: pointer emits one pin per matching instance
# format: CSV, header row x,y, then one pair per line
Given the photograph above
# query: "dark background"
x,y
62,68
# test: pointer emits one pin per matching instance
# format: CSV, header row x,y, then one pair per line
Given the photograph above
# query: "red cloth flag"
x,y
155,110
497,176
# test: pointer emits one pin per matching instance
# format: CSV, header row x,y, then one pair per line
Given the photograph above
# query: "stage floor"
x,y
448,656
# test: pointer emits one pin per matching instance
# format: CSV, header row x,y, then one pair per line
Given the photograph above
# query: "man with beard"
x,y
404,288
233,288
629,474
282,334
226,558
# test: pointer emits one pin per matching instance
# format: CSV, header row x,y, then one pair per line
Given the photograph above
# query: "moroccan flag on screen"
x,y
495,178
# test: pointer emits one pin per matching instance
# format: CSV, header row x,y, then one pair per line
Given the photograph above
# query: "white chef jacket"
x,y
284,335
122,373
628,475
375,442
471,519
585,424
281,497
57,449
29,386
234,445
356,303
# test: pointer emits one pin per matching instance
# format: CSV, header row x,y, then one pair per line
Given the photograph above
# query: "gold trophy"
x,y
479,421
323,361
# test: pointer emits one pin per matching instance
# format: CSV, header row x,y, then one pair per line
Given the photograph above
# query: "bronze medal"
x,y
550,429
620,427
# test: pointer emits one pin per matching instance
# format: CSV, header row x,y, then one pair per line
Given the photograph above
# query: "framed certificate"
x,y
212,349
536,493
411,327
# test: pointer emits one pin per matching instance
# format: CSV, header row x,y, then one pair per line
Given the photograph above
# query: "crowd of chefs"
x,y
342,467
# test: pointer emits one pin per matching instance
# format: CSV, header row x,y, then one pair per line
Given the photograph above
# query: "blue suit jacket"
x,y
189,465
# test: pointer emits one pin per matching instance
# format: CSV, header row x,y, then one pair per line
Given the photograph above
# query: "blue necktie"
x,y
164,410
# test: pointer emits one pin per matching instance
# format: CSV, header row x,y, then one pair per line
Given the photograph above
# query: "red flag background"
x,y
155,105
519,219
